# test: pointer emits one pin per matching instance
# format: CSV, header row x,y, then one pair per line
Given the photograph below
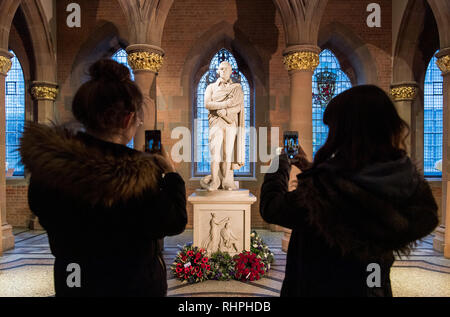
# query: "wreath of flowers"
x,y
258,247
191,265
249,267
222,266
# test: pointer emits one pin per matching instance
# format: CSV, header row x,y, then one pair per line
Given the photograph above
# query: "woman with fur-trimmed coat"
x,y
104,205
361,201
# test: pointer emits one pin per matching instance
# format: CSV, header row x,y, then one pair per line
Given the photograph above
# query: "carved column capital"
x,y
443,61
41,90
405,91
143,57
5,62
301,57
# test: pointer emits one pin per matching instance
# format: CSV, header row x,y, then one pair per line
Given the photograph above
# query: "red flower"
x,y
208,267
203,265
190,253
183,258
179,270
200,274
198,255
205,259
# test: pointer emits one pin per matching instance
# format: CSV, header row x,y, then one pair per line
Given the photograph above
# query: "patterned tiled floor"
x,y
28,270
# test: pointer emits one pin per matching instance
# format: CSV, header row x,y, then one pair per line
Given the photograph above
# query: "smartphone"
x,y
291,143
153,141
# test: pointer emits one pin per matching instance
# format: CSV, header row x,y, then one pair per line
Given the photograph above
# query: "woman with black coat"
x,y
104,205
361,201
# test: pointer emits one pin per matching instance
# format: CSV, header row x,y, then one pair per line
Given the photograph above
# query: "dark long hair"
x,y
102,103
364,128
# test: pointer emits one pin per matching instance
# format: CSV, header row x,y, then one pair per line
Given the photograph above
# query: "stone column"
x,y
300,62
6,234
44,94
443,230
146,61
404,94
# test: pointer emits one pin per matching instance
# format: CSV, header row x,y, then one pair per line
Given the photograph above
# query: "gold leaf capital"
x,y
145,61
41,92
404,92
304,60
5,65
443,63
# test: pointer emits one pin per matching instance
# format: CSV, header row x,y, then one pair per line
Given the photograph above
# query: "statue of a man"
x,y
225,102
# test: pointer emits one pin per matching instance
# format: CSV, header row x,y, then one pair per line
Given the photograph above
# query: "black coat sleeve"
x,y
277,204
170,217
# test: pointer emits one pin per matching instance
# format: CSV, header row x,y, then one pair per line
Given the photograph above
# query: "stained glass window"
x,y
201,147
433,124
121,57
15,115
328,81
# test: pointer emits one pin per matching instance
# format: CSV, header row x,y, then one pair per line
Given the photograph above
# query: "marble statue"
x,y
225,103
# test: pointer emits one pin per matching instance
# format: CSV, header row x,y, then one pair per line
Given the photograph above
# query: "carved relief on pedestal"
x,y
221,236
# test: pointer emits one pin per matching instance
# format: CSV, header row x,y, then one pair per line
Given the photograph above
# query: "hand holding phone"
x,y
290,139
153,141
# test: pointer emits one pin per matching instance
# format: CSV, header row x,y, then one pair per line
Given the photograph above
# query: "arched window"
x,y
328,81
201,147
15,115
121,57
432,124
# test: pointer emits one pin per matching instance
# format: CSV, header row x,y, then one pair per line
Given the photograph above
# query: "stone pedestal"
x,y
439,238
7,237
34,223
222,220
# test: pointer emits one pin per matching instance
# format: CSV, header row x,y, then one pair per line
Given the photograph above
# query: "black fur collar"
x,y
364,222
59,159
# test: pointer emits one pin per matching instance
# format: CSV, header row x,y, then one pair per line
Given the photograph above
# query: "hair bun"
x,y
109,70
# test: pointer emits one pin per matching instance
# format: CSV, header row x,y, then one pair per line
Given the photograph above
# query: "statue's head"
x,y
224,71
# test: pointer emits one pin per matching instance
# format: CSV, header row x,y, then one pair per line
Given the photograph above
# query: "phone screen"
x,y
291,143
153,141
